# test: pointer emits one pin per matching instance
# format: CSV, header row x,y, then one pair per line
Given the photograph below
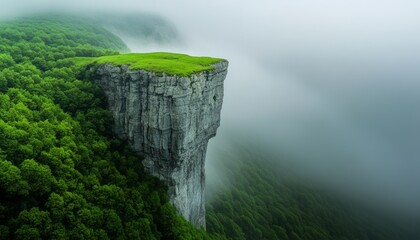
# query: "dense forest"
x,y
64,175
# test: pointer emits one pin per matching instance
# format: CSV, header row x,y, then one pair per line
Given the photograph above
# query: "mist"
x,y
334,85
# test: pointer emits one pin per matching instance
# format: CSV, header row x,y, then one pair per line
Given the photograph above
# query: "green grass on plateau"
x,y
163,62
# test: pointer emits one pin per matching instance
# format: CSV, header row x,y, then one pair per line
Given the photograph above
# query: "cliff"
x,y
168,118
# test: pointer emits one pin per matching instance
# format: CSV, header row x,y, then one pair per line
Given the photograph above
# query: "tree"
x,y
11,181
39,177
35,224
6,61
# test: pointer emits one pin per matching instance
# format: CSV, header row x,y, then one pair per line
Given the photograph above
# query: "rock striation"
x,y
169,119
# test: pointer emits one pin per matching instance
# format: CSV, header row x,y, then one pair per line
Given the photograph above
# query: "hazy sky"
x,y
335,84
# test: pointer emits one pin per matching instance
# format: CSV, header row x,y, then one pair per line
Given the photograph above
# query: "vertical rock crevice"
x,y
169,119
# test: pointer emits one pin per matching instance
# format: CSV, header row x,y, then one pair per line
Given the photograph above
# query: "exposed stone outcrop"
x,y
169,119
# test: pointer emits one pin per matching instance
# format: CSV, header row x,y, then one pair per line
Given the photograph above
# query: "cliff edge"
x,y
169,117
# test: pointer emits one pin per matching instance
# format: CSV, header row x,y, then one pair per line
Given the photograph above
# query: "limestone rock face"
x,y
169,119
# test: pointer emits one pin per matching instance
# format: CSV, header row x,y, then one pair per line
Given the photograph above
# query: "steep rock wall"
x,y
169,119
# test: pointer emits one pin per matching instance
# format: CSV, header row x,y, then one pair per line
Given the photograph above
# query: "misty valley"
x,y
114,126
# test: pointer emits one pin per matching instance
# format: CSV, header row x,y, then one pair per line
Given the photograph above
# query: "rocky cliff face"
x,y
169,119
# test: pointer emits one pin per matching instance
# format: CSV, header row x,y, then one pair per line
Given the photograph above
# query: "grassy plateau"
x,y
162,62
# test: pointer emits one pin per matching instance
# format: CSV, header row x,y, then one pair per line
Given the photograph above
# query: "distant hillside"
x,y
259,199
141,28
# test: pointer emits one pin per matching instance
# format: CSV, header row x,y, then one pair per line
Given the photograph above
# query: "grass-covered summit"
x,y
162,62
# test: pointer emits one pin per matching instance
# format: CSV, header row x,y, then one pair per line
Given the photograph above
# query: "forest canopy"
x,y
63,174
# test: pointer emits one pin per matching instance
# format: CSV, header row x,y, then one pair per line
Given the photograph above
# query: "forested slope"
x,y
261,197
63,175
